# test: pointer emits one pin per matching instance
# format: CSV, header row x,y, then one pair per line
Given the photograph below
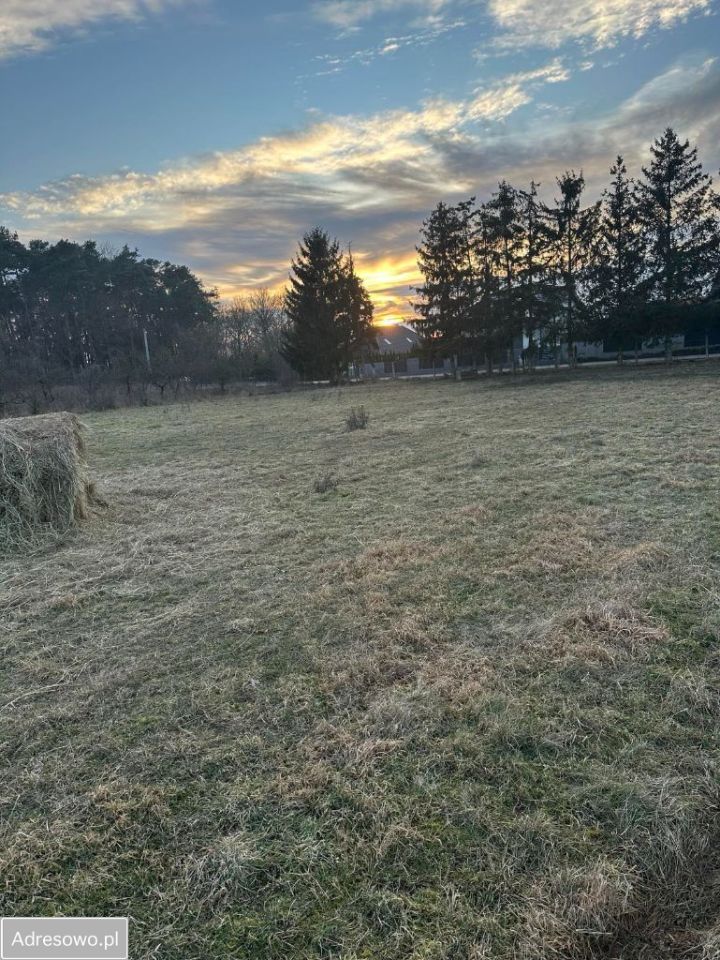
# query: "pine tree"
x,y
617,274
328,308
678,208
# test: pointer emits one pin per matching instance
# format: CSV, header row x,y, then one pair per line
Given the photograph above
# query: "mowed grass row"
x,y
464,704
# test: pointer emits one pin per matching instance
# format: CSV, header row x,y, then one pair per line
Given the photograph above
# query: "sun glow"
x,y
390,280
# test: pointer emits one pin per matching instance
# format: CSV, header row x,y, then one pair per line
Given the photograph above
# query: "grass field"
x,y
464,704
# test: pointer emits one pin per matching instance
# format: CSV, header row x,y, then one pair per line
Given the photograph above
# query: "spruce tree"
x,y
537,294
354,317
617,274
328,309
575,231
446,296
678,209
510,239
487,320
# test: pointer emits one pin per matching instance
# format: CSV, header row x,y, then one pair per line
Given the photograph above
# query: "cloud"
x,y
333,63
348,14
29,26
236,216
369,179
530,23
499,100
331,156
527,23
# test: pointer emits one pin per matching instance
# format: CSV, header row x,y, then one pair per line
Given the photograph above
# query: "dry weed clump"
x,y
325,483
44,483
357,419
333,748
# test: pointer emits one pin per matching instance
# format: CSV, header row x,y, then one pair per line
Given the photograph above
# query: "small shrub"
x,y
325,483
357,419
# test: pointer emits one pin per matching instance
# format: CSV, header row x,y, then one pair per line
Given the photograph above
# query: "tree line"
x,y
638,265
91,327
82,325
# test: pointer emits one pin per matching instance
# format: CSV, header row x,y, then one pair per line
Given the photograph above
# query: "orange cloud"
x,y
390,281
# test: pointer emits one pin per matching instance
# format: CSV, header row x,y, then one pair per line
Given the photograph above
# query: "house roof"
x,y
397,338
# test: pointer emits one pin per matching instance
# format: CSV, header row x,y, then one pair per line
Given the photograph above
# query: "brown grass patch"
x,y
576,913
459,678
387,556
558,543
603,633
648,555
474,513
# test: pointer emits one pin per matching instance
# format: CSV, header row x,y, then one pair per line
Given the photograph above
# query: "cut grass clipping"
x,y
44,486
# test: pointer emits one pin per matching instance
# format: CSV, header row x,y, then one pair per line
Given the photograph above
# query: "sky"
x,y
217,132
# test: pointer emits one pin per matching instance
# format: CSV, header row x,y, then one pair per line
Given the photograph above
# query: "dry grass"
x,y
604,632
464,707
44,484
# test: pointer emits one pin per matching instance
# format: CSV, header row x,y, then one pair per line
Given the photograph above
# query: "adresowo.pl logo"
x,y
64,938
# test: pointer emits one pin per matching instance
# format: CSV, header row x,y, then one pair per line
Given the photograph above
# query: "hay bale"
x,y
44,484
